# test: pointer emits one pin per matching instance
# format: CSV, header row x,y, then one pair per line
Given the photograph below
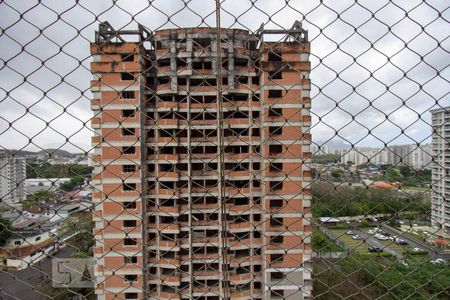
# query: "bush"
x,y
382,254
366,224
423,252
338,226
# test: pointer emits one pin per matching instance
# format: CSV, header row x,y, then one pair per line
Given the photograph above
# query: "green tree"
x,y
392,174
74,183
405,171
41,196
337,173
5,230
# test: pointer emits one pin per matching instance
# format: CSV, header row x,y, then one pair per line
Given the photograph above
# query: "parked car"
x,y
381,237
349,232
437,261
416,249
357,237
375,250
401,242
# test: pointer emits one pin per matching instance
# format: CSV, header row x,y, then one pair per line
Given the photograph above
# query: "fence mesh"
x,y
224,149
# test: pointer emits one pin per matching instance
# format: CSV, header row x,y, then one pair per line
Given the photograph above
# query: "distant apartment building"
x,y
412,155
440,198
12,178
195,197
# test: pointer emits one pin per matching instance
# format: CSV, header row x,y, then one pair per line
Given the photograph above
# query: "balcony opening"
x,y
129,242
168,289
168,202
276,239
242,270
241,201
275,149
274,56
165,62
201,65
128,113
276,222
127,57
202,42
164,80
129,205
276,203
131,296
129,186
130,278
128,168
275,112
275,75
276,258
276,167
130,259
276,185
182,81
129,223
241,79
128,131
242,253
240,62
275,93
126,76
276,276
181,63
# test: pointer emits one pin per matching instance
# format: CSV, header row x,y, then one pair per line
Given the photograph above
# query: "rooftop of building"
x,y
442,109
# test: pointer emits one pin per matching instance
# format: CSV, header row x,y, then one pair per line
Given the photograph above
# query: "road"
x,y
370,239
433,252
22,284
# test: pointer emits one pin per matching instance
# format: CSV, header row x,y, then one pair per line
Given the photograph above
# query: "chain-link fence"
x,y
224,149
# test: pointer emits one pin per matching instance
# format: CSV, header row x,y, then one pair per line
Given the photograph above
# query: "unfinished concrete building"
x,y
202,164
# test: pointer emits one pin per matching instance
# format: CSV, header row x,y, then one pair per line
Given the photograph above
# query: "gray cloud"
x,y
45,62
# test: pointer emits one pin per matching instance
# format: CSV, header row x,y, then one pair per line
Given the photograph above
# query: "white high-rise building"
x,y
12,179
440,200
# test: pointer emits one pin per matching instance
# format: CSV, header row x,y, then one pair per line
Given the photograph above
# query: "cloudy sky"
x,y
378,66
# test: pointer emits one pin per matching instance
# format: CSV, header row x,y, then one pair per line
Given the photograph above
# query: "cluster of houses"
x,y
37,233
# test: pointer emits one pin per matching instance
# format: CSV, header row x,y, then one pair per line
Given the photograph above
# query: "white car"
x,y
437,261
357,237
381,237
349,232
416,249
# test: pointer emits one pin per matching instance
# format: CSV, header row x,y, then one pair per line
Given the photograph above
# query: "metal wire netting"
x,y
224,150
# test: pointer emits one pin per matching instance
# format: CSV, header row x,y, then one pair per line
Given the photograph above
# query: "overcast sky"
x,y
383,62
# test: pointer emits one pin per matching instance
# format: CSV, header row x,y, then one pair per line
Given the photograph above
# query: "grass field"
x,y
354,245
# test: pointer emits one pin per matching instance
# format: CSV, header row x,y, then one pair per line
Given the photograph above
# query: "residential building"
x,y
23,248
12,177
440,198
202,174
412,155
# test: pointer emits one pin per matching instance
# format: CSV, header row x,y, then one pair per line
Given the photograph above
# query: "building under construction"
x,y
202,176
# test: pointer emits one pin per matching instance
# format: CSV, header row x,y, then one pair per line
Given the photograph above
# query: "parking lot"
x,y
368,238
